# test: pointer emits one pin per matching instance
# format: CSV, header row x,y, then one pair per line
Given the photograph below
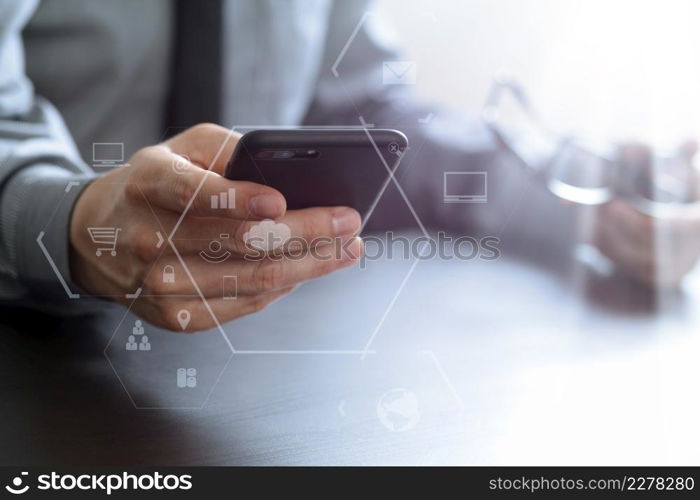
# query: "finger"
x,y
167,313
306,228
200,192
297,229
621,249
240,277
630,224
208,145
634,154
653,267
248,305
638,235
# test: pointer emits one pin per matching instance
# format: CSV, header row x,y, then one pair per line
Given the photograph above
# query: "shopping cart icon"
x,y
106,236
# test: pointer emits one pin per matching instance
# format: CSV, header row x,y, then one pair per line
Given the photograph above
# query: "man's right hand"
x,y
150,196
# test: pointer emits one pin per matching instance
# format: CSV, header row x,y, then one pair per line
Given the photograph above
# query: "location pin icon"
x,y
183,317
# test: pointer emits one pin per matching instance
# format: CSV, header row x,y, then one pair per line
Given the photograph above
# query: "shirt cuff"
x,y
37,205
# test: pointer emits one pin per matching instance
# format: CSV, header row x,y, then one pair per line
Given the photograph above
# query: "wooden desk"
x,y
508,364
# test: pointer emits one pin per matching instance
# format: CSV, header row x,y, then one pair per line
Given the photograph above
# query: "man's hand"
x,y
150,196
657,251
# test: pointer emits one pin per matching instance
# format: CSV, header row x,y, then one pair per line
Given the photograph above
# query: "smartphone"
x,y
320,167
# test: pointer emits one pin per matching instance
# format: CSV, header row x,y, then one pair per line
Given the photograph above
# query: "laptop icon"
x,y
465,187
107,154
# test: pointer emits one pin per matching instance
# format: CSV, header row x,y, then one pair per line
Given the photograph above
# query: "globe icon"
x,y
398,410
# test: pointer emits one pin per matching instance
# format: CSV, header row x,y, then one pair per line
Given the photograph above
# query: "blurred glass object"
x,y
659,184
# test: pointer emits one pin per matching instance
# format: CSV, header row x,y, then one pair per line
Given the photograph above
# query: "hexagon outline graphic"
x,y
39,240
62,280
366,350
126,389
334,70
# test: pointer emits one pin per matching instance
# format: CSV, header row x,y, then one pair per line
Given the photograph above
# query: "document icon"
x,y
399,73
230,287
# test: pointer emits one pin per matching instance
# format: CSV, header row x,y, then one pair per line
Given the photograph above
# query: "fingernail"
x,y
353,250
346,221
266,205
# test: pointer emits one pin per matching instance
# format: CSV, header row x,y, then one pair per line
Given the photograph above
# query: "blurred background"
x,y
619,386
610,70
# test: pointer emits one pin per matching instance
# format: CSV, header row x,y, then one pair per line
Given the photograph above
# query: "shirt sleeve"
x,y
41,175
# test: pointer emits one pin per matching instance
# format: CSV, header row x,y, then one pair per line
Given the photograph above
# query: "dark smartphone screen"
x,y
320,167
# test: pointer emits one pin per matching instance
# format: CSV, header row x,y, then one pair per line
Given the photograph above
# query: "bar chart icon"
x,y
225,199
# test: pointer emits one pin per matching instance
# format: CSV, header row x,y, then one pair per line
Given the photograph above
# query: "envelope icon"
x,y
399,73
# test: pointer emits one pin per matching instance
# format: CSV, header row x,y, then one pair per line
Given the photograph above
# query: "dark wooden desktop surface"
x,y
510,364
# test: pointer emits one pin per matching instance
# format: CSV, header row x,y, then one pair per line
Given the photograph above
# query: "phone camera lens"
x,y
282,155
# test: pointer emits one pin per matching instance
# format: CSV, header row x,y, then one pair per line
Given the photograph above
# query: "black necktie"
x,y
196,77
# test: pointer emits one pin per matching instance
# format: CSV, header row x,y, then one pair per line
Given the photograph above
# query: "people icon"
x,y
144,345
131,343
138,328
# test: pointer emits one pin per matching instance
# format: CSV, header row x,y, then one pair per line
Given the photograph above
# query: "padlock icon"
x,y
168,274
